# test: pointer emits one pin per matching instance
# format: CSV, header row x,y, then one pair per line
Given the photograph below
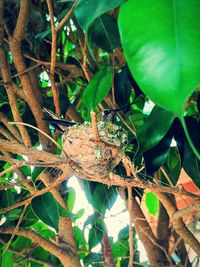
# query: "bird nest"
x,y
96,158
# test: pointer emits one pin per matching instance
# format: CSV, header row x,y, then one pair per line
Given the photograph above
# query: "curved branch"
x,y
15,47
22,20
65,256
188,210
178,223
11,128
32,153
6,75
26,252
56,182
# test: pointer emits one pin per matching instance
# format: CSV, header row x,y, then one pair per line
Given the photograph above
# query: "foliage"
x,y
108,54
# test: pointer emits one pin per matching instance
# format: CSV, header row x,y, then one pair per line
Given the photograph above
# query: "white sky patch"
x,y
45,77
148,106
80,202
115,219
173,143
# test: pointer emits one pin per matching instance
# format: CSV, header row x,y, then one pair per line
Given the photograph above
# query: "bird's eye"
x,y
106,111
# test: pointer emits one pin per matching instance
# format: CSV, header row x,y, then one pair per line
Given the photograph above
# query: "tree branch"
x,y
22,20
53,59
5,71
15,47
66,257
66,17
32,153
188,210
178,223
11,128
27,254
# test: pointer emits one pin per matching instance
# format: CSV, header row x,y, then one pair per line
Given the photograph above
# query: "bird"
x,y
58,123
108,115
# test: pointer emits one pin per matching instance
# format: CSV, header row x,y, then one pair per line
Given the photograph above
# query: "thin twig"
x,y
27,201
113,76
84,64
95,126
158,245
17,226
185,211
130,239
53,59
42,132
11,168
66,17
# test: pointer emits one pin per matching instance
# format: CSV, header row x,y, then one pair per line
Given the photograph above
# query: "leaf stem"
x,y
194,149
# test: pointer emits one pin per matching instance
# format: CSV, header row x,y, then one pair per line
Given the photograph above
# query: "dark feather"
x,y
55,121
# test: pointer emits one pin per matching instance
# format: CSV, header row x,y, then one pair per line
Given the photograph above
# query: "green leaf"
x,y
122,87
152,203
155,157
79,237
191,163
172,167
88,10
92,219
154,128
94,259
104,33
21,243
95,235
7,198
36,172
64,212
46,209
161,42
100,196
119,249
98,88
6,259
124,233
71,197
79,213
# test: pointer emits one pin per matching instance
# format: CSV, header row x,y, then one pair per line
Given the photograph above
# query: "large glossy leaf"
x,y
98,88
6,259
7,198
100,196
79,238
46,209
95,235
191,163
154,128
122,87
104,33
155,157
21,243
161,42
88,10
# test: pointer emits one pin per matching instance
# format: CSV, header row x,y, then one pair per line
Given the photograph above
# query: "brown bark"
x,y
6,76
15,47
146,236
178,223
107,252
163,231
67,257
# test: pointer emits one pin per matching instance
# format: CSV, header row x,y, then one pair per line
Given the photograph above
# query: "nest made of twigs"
x,y
95,158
